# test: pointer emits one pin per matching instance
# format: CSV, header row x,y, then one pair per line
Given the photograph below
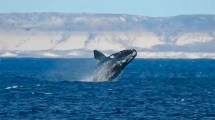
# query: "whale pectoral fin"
x,y
98,55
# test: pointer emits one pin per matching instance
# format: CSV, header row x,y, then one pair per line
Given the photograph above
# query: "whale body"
x,y
109,68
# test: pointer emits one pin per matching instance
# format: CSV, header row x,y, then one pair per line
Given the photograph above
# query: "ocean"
x,y
60,89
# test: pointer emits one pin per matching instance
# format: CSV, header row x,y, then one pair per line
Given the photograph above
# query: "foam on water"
x,y
11,87
90,79
47,93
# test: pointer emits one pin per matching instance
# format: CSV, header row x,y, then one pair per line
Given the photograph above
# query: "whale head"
x,y
124,57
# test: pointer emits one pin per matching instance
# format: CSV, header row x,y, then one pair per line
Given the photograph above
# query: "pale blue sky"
x,y
135,7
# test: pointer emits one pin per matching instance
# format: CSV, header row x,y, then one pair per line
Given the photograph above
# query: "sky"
x,y
154,8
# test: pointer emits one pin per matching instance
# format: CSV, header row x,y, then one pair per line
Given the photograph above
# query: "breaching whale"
x,y
109,68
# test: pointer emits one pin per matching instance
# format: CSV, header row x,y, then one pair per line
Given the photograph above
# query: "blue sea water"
x,y
59,89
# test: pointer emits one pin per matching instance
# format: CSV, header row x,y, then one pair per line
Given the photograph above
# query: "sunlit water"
x,y
147,89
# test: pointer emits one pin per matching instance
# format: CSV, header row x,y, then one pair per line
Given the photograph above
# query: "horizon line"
x,y
92,13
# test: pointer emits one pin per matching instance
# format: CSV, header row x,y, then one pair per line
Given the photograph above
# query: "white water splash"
x,y
99,75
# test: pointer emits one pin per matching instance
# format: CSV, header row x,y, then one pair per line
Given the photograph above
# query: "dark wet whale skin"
x,y
109,68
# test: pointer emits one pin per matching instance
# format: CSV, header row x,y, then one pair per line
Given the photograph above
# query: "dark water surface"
x,y
53,89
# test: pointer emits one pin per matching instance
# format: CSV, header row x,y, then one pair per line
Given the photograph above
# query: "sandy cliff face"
x,y
31,41
75,35
192,38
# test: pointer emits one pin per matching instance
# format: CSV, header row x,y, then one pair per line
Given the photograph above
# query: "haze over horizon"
x,y
152,8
